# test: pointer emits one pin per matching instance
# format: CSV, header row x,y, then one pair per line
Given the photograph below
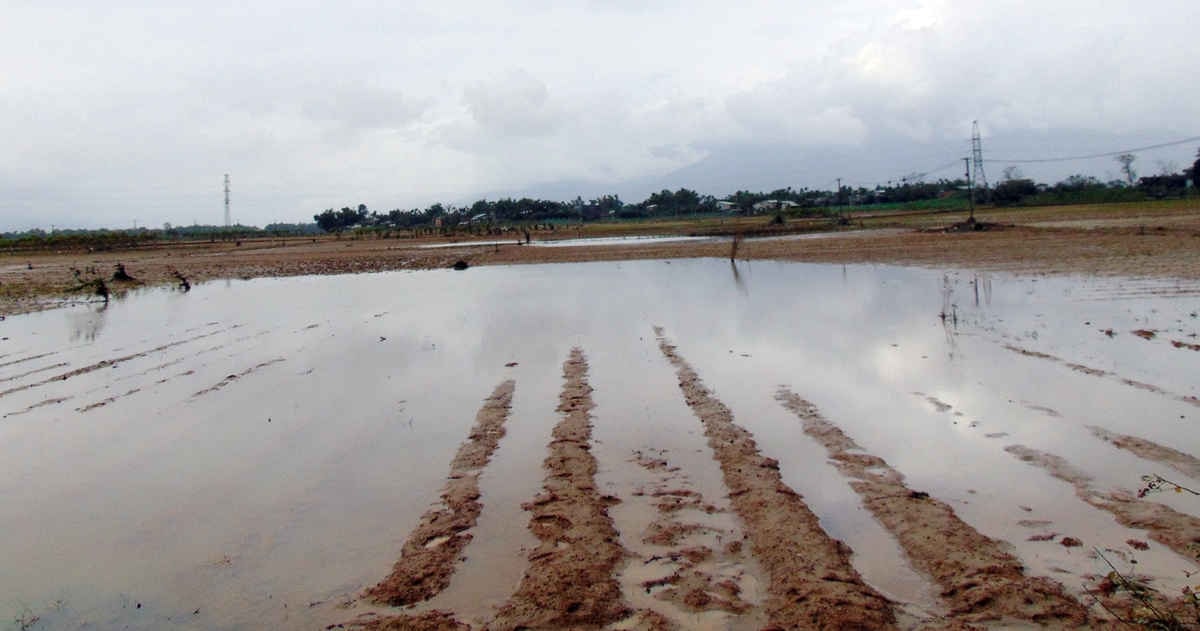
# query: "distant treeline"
x,y
491,215
942,194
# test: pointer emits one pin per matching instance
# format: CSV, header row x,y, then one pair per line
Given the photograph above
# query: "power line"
x,y
1106,154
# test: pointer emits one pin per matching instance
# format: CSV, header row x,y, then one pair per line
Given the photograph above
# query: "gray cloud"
x,y
111,114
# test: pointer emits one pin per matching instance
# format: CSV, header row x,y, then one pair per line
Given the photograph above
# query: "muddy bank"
x,y
1184,463
571,578
1178,531
431,552
1083,248
979,579
811,581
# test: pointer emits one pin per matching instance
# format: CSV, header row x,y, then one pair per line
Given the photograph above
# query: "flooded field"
x,y
632,445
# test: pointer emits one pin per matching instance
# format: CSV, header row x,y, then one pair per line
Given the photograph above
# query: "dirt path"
x,y
431,553
1184,463
811,581
979,579
1097,372
571,579
1178,531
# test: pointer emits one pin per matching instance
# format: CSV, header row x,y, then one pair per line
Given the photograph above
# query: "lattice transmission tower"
x,y
980,178
226,200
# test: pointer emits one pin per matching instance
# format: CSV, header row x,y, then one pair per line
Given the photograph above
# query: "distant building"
x,y
774,204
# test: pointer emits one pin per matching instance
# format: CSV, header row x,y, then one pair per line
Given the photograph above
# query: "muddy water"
x,y
278,495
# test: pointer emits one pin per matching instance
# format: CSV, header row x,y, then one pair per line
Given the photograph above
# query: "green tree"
x,y
1126,161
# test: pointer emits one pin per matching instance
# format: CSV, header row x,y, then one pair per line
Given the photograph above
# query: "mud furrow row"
x,y
39,404
103,402
27,359
1178,531
1097,372
812,583
234,377
108,363
132,391
430,555
1184,463
34,372
978,578
570,581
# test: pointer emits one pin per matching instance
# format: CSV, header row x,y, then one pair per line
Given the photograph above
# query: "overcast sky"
x,y
134,112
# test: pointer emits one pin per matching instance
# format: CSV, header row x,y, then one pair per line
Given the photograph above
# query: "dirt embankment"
x,y
431,553
812,583
571,578
979,579
1178,531
1184,463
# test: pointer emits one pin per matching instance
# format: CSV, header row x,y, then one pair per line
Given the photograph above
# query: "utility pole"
x,y
977,157
970,188
226,200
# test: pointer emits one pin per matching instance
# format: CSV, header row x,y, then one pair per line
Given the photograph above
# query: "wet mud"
x,y
691,566
979,579
811,582
1096,372
235,376
570,581
1178,531
430,554
109,363
1184,463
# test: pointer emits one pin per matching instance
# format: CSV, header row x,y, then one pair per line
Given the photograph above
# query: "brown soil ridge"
x,y
109,363
1097,372
234,377
34,372
39,404
980,580
571,578
1184,463
1178,531
27,359
812,583
434,620
431,552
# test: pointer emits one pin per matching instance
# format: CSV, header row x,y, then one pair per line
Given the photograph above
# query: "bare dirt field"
x,y
1148,240
642,435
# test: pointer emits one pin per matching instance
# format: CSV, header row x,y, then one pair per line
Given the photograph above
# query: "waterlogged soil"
x,y
1156,241
794,446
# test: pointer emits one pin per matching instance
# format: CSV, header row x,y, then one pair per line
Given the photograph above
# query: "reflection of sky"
x,y
151,494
